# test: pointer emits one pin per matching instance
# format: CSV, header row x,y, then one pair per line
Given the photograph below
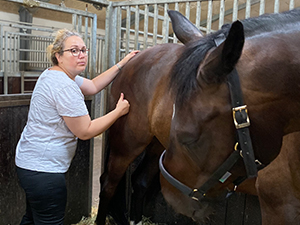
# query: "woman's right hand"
x,y
123,105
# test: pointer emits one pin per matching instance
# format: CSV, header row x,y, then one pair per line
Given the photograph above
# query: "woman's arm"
x,y
85,128
91,87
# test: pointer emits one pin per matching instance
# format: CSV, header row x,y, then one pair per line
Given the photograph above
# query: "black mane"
x,y
183,79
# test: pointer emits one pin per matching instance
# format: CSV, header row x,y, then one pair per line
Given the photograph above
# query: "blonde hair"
x,y
59,43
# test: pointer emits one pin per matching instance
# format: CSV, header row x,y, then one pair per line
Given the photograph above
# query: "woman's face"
x,y
73,65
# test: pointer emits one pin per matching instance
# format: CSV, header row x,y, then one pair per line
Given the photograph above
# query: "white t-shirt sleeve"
x,y
70,102
79,80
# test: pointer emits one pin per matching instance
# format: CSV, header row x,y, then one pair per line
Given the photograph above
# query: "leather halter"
x,y
241,122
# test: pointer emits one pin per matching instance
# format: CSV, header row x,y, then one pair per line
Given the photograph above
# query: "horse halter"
x,y
241,122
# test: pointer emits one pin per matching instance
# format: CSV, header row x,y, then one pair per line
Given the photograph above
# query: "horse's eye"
x,y
186,138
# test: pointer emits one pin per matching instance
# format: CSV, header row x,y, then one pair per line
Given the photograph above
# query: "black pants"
x,y
46,197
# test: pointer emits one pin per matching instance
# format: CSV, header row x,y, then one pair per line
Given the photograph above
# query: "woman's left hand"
x,y
128,57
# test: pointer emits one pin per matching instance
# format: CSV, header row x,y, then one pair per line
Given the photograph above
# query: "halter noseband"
x,y
241,122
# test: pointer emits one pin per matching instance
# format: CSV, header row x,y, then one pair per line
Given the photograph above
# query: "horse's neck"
x,y
270,78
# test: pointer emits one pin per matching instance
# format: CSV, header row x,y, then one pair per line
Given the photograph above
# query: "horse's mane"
x,y
183,79
270,22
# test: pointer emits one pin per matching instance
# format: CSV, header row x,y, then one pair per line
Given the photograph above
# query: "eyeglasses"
x,y
76,51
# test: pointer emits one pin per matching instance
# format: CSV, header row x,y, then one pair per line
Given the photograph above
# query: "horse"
x,y
245,72
180,101
278,185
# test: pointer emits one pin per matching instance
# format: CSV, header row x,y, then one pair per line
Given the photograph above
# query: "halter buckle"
x,y
242,112
196,195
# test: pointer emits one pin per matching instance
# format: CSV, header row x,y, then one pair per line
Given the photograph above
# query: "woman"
x,y
57,117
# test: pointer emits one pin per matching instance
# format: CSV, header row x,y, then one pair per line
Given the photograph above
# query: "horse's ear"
x,y
220,62
184,29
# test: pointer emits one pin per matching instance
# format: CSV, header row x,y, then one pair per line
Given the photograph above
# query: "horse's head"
x,y
202,134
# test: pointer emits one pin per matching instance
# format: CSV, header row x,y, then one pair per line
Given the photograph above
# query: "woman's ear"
x,y
58,57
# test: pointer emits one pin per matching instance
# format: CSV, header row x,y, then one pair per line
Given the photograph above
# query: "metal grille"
x,y
142,24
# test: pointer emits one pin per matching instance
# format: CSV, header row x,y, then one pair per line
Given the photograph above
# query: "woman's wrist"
x,y
119,66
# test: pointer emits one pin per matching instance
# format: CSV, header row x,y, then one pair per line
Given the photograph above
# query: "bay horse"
x,y
278,185
180,101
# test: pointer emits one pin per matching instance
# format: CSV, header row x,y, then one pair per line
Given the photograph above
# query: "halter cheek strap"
x,y
220,175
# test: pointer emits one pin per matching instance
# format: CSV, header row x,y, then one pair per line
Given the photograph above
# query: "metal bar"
x,y
187,10
262,7
1,48
292,4
222,13
58,8
248,9
155,24
142,12
148,2
15,53
22,82
86,30
128,14
146,27
166,24
24,25
142,33
175,39
97,2
74,21
136,27
235,10
93,47
198,14
10,54
79,24
119,33
209,16
276,6
5,78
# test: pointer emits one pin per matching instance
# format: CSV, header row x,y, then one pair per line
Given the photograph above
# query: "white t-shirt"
x,y
46,143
